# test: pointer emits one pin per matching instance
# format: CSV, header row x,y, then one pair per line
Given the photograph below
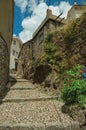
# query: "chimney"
x,y
75,3
49,12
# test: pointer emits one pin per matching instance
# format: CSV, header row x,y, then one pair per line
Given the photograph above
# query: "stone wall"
x,y
34,48
39,39
4,65
76,46
72,51
24,58
75,12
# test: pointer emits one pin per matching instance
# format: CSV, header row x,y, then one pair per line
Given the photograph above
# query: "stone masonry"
x,y
34,48
26,107
4,64
75,12
50,24
6,30
24,57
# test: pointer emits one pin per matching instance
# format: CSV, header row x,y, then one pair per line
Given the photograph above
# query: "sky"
x,y
28,14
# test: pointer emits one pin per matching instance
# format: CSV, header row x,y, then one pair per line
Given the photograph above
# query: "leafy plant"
x,y
50,50
52,53
82,100
74,90
75,26
49,37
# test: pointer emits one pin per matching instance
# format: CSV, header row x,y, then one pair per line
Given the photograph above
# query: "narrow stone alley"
x,y
25,107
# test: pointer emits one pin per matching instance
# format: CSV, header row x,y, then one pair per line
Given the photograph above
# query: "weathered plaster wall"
x,y
14,51
4,65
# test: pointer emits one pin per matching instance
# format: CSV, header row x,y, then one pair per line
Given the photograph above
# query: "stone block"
x,y
54,126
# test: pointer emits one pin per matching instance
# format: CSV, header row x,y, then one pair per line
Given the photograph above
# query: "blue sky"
x,y
28,14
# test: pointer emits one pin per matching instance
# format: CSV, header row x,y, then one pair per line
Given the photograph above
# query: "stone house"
x,y
75,12
34,48
6,30
49,24
14,51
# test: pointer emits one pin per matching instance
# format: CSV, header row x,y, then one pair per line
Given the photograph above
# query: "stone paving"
x,y
18,114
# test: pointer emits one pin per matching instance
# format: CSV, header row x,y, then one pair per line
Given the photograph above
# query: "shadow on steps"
x,y
10,83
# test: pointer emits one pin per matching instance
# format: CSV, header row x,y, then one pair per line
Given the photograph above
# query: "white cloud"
x,y
22,4
32,4
14,35
30,24
64,7
25,35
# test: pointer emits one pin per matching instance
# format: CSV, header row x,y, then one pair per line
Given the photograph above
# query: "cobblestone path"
x,y
25,107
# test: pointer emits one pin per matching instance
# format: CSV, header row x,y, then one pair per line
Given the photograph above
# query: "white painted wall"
x,y
15,49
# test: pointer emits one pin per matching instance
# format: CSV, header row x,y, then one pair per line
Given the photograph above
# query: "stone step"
x,y
29,99
41,126
18,80
20,86
14,77
25,112
25,107
16,95
33,112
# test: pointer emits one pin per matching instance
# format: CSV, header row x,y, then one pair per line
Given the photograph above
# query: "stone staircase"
x,y
25,107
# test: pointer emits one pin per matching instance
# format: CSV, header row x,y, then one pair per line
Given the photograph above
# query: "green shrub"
x,y
75,26
82,100
49,37
50,51
75,86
